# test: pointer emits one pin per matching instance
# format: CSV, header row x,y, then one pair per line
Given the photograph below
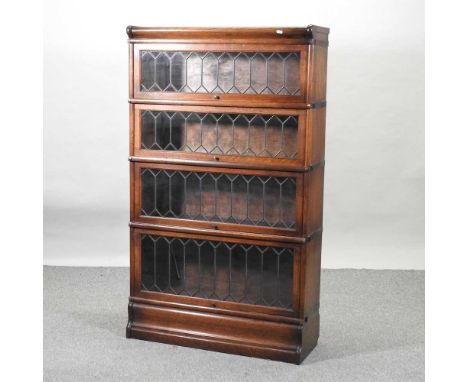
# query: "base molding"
x,y
227,334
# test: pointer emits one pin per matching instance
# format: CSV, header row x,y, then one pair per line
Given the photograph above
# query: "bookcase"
x,y
227,136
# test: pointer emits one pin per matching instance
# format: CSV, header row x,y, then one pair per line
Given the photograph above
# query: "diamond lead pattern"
x,y
221,72
217,270
230,198
272,136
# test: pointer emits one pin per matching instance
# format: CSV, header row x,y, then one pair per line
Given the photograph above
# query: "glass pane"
x,y
272,136
220,72
217,270
240,199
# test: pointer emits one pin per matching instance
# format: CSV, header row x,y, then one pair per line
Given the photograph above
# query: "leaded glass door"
x,y
220,73
230,274
221,199
271,138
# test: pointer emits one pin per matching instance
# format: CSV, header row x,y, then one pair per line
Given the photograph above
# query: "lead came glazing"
x,y
230,198
273,136
221,72
217,270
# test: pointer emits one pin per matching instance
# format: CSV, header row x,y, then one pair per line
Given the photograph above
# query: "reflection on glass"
x,y
217,270
272,136
240,199
220,72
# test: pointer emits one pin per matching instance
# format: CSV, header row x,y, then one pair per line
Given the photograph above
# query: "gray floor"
x,y
372,329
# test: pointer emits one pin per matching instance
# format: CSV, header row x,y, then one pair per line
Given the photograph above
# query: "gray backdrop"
x,y
374,180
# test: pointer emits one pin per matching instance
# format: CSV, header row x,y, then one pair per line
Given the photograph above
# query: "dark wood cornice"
x,y
309,35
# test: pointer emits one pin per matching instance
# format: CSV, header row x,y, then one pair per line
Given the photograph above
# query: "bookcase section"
x,y
217,270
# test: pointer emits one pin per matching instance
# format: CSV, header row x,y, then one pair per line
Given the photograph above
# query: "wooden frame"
x,y
287,333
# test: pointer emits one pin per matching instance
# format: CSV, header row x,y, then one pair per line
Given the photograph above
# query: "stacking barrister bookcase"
x,y
227,133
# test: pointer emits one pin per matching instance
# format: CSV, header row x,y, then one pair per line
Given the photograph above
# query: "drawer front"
x,y
268,137
190,269
220,72
212,198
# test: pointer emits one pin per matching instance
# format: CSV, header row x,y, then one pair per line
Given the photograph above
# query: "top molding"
x,y
310,35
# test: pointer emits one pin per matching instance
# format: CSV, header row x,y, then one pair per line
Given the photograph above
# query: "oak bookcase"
x,y
227,136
